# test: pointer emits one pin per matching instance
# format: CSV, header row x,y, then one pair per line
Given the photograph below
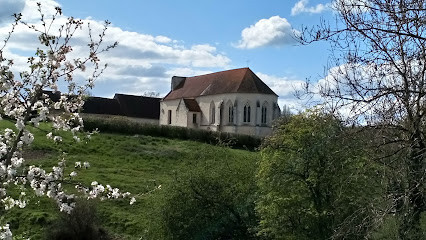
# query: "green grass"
x,y
137,164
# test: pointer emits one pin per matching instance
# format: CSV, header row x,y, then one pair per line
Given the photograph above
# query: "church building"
x,y
234,101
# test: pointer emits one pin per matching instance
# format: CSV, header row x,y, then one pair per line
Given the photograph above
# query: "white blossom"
x,y
23,101
77,139
86,164
49,135
57,139
5,232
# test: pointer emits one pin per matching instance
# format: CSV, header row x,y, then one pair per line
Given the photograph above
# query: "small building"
x,y
234,101
135,108
139,108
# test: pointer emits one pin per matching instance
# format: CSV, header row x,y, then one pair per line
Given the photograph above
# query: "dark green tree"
x,y
380,79
214,200
315,181
81,224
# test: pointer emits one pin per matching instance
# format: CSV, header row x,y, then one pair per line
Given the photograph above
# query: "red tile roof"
x,y
241,80
192,105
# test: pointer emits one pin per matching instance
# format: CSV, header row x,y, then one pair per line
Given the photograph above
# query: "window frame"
x,y
194,118
169,117
247,113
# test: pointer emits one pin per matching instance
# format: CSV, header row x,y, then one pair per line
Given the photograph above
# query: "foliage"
x,y
214,199
379,82
315,181
136,163
24,101
125,126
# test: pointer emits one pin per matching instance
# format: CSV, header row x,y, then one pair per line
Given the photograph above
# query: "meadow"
x,y
145,166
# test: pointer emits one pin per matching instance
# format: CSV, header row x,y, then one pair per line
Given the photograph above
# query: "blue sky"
x,y
162,38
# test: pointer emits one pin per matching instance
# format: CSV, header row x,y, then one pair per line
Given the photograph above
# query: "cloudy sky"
x,y
162,38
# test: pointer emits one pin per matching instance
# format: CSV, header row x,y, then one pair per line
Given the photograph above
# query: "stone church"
x,y
235,101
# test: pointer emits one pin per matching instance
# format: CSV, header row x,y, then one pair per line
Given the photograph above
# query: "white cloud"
x,y
285,88
301,7
140,63
275,31
30,13
162,39
186,72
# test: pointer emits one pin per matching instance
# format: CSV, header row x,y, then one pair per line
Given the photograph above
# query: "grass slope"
x,y
137,164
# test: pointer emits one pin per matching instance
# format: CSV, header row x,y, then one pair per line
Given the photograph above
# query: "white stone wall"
x,y
190,122
221,102
241,99
178,111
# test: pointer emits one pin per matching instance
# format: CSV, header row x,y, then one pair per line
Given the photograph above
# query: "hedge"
x,y
124,126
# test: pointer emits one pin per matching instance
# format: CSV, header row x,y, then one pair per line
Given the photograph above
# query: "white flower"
x,y
20,124
49,135
132,200
86,164
5,232
77,165
8,203
27,137
73,174
77,139
57,139
21,203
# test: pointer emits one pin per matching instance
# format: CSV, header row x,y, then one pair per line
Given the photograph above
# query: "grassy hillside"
x,y
133,163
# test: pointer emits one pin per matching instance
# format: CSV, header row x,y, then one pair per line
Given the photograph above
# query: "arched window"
x,y
264,111
247,110
212,113
230,114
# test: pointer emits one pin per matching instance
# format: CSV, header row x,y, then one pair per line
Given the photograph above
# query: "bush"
x,y
316,182
124,126
212,201
81,224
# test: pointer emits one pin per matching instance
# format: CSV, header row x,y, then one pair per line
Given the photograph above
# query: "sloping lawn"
x,y
137,164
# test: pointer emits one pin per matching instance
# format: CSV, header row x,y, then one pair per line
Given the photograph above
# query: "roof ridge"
x,y
229,70
240,80
244,78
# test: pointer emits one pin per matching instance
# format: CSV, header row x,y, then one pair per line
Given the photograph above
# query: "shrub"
x,y
212,201
81,224
124,126
316,181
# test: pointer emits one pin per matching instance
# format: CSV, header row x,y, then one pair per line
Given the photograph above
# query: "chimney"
x,y
177,82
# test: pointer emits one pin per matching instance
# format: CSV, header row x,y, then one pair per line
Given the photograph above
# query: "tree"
x,y
315,181
151,94
379,82
82,223
214,200
23,101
